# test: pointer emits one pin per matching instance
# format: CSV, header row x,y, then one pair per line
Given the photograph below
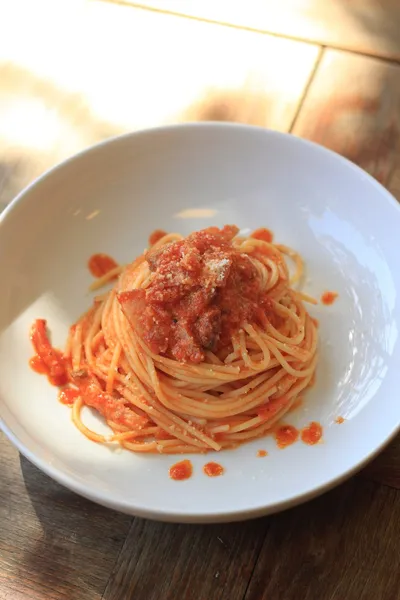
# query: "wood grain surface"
x,y
128,68
342,546
353,107
53,544
191,561
365,26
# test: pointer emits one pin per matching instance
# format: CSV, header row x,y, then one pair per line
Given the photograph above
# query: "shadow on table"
x,y
290,555
249,106
80,540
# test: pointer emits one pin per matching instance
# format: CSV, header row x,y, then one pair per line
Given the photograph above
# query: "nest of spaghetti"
x,y
202,344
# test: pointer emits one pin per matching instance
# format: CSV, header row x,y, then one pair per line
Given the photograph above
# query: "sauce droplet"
x,y
263,234
286,435
156,236
37,365
329,298
262,453
47,359
213,469
68,396
312,433
339,420
181,470
101,264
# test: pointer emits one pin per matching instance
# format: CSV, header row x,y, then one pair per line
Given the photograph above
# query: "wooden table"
x,y
328,71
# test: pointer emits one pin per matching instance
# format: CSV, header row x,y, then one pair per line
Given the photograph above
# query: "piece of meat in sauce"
x,y
181,312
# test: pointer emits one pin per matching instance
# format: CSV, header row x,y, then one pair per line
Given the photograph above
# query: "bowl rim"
x,y
227,514
188,126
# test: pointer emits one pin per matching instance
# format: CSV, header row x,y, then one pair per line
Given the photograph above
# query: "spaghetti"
x,y
202,344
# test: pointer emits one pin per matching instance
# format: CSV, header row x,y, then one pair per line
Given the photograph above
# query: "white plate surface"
x,y
184,178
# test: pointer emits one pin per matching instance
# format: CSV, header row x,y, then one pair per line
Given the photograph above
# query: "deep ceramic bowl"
x,y
183,178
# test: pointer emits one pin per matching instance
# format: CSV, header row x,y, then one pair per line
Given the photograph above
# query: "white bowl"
x,y
183,178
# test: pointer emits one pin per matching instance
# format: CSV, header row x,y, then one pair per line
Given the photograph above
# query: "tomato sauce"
x,y
271,408
50,361
113,409
201,292
68,396
312,433
263,234
329,298
339,420
156,236
262,453
181,470
47,360
286,435
101,264
38,365
213,469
